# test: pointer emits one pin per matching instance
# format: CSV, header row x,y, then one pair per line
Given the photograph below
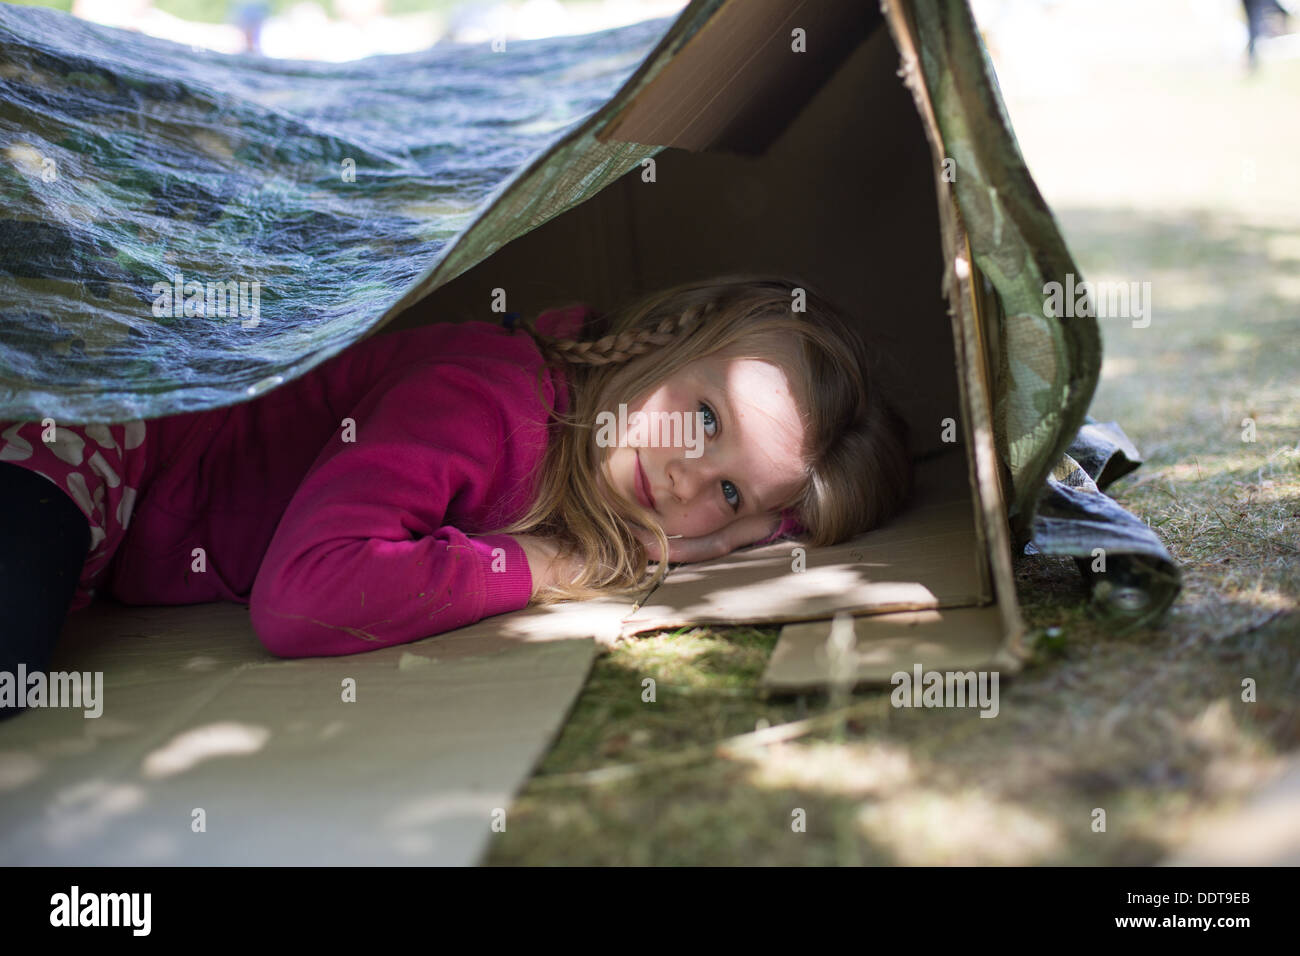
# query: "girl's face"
x,y
736,452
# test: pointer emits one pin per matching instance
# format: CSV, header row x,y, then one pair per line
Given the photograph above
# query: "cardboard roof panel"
x,y
739,81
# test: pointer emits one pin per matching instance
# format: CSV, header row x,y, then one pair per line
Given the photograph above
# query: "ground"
x,y
1180,173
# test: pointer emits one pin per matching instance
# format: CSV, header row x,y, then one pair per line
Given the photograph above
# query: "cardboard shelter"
x,y
872,156
829,166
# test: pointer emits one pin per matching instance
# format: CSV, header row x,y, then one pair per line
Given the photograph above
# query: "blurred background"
x,y
1204,30
349,29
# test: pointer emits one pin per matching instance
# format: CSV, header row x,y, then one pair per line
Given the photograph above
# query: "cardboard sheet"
x,y
927,557
197,715
720,91
959,639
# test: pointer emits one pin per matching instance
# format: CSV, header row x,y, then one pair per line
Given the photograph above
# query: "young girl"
x,y
425,479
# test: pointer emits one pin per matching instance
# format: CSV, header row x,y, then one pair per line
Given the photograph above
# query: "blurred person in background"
x,y
250,17
1264,18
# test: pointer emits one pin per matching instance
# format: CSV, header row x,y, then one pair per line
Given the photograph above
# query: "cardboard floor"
x,y
928,557
198,716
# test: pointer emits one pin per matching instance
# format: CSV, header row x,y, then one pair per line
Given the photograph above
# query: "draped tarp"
x,y
126,161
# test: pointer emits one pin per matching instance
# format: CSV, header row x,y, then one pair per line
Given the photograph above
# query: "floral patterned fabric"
x,y
100,467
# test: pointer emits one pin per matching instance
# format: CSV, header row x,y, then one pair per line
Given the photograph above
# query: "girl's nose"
x,y
689,476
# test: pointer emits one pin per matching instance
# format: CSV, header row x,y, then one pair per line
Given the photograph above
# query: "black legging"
x,y
44,538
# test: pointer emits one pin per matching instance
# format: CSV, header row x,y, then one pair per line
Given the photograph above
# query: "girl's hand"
x,y
547,565
739,533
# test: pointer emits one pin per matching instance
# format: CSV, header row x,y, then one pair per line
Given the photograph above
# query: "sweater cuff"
x,y
507,581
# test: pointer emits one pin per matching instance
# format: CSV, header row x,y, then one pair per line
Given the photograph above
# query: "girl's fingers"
x,y
688,550
749,530
706,547
682,550
739,533
649,540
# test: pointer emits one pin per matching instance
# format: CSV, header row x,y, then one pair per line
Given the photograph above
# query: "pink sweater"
x,y
345,507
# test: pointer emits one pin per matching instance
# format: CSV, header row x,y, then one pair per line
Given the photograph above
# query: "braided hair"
x,y
621,346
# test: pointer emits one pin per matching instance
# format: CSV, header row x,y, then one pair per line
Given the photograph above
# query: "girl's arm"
x,y
364,556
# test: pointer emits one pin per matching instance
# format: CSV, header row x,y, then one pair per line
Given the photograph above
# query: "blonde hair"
x,y
857,468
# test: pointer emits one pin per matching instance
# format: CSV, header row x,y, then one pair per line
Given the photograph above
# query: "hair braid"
x,y
618,348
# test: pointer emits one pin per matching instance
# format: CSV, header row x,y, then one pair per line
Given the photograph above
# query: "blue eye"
x,y
730,491
710,420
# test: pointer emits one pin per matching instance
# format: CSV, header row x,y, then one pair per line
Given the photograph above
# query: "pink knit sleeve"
x,y
365,556
564,323
790,528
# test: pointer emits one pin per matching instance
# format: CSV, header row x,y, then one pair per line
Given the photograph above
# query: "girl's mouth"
x,y
643,486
